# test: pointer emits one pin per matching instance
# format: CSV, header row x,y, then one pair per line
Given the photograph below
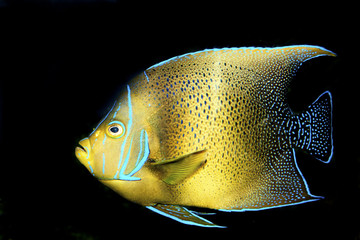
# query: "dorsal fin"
x,y
295,53
271,68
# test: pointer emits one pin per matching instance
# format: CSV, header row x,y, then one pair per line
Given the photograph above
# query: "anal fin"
x,y
182,214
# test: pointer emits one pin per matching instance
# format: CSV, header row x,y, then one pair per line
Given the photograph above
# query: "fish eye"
x,y
115,129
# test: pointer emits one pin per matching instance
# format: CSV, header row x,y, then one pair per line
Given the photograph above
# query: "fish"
x,y
212,129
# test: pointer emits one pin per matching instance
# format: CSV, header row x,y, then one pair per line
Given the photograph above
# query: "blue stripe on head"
x,y
144,149
130,107
126,161
144,158
91,169
129,125
87,151
141,146
117,110
104,139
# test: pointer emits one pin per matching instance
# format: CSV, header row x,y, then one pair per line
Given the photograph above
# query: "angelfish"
x,y
211,129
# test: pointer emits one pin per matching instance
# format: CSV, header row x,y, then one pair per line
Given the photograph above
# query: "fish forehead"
x,y
119,112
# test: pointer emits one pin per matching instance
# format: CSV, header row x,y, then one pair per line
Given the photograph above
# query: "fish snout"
x,y
83,151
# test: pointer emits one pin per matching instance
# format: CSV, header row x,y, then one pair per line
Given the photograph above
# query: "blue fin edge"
x,y
184,221
331,126
314,197
238,48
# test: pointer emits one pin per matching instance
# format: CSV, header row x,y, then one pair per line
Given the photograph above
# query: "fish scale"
x,y
221,134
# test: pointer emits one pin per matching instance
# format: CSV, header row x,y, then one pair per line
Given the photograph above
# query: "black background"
x,y
62,65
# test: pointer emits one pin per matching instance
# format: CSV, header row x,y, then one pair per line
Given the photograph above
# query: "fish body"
x,y
211,129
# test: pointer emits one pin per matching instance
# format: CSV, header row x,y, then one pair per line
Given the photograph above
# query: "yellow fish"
x,y
211,129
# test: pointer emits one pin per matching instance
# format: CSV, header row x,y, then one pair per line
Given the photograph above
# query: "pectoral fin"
x,y
173,171
182,214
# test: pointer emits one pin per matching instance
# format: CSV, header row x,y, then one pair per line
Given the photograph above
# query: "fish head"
x,y
118,147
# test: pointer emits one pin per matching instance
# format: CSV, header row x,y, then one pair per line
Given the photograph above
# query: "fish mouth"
x,y
81,148
82,151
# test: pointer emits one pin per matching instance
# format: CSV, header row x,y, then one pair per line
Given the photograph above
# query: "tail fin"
x,y
319,128
312,130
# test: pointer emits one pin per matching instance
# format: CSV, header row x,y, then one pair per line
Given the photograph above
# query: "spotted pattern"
x,y
232,102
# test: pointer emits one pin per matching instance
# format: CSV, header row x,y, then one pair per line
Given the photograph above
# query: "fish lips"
x,y
82,152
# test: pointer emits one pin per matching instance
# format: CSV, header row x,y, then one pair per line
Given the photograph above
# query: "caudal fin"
x,y
320,144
